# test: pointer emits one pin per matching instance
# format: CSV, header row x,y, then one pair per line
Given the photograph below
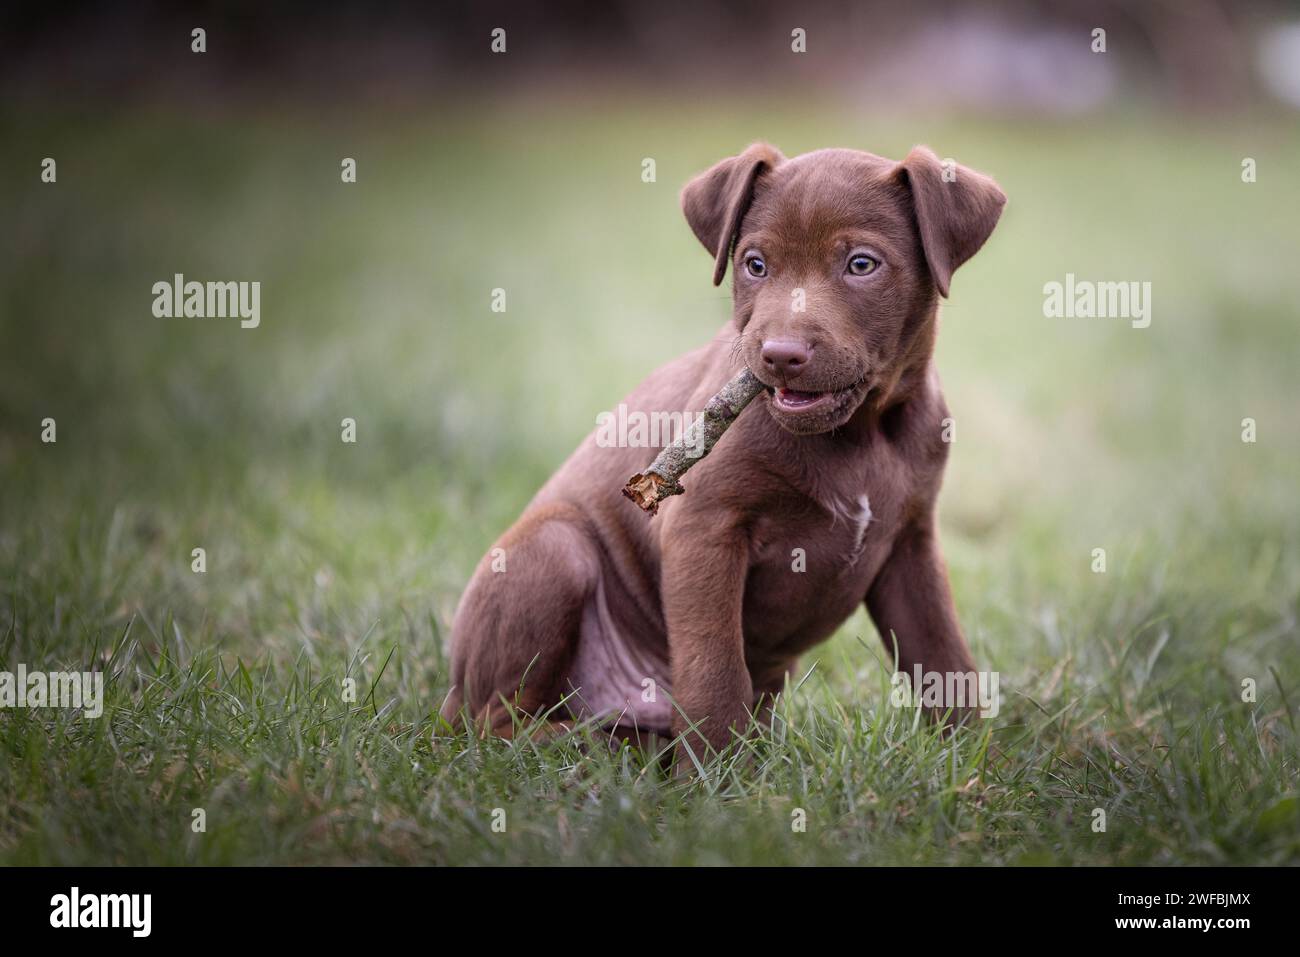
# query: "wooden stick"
x,y
662,478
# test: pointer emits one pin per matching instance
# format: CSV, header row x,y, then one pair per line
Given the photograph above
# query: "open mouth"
x,y
793,400
802,401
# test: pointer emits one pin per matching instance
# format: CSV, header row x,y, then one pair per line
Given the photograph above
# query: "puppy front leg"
x,y
703,587
911,599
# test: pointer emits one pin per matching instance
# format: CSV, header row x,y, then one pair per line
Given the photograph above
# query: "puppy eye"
x,y
757,268
861,264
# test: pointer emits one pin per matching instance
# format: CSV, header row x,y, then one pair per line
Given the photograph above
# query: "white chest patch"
x,y
857,515
861,522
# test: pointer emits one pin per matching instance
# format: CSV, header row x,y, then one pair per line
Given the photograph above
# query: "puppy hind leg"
x,y
517,627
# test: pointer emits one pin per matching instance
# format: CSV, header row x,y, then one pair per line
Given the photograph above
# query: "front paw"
x,y
701,740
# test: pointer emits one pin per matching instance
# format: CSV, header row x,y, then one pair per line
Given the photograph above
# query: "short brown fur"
x,y
702,601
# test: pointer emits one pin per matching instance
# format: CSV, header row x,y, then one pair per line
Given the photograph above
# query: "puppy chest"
x,y
811,568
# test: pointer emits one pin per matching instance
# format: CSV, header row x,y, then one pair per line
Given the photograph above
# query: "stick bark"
x,y
663,478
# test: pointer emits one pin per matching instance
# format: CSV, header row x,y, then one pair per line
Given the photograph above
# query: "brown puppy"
x,y
839,258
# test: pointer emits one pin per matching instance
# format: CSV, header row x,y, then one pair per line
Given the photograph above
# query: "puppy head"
x,y
838,258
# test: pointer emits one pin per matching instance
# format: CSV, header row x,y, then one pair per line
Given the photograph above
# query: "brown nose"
x,y
785,357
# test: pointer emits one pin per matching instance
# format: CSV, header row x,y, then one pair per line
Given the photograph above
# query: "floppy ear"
x,y
715,201
955,214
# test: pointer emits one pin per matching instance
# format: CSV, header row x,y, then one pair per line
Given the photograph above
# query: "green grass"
x,y
1122,690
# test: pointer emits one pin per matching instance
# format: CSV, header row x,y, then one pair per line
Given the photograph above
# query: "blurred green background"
x,y
1072,434
376,305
